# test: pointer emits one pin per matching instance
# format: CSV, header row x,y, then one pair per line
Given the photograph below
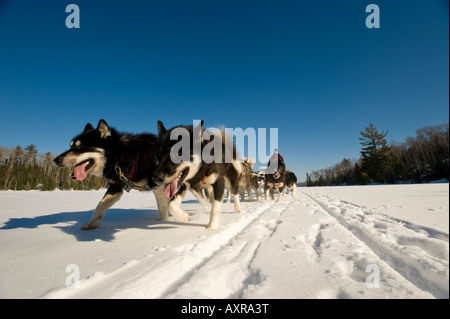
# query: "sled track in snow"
x,y
228,272
419,254
224,263
217,266
225,257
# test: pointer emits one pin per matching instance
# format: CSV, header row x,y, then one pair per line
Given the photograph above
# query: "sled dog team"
x,y
146,162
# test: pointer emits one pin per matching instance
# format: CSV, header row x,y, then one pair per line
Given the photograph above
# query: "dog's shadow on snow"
x,y
114,221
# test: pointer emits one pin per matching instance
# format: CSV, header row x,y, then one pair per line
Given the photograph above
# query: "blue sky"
x,y
309,68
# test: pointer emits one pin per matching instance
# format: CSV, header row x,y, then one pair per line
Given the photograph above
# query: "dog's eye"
x,y
76,143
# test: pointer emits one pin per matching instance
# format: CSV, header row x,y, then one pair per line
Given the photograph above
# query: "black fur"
x,y
122,149
291,179
275,180
133,153
213,177
166,167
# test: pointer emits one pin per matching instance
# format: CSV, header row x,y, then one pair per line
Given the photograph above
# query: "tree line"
x,y
418,159
25,169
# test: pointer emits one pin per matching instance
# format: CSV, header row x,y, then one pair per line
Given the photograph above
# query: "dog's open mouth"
x,y
80,170
171,189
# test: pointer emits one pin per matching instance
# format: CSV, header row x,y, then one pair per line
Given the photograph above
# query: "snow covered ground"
x,y
335,242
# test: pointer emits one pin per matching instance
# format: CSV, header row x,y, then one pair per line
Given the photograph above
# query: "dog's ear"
x,y
199,126
161,128
198,131
104,129
88,128
250,161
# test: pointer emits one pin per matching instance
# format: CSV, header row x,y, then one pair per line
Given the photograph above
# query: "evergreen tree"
x,y
308,180
374,153
17,156
30,155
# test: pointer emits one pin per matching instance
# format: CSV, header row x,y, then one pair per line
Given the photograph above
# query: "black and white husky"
x,y
184,163
291,182
125,160
276,179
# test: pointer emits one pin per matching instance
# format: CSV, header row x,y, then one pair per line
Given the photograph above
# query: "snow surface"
x,y
329,242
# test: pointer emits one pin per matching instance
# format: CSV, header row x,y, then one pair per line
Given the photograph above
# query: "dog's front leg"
x,y
280,193
249,192
228,196
258,196
237,203
198,193
294,189
267,190
175,206
162,201
218,190
112,195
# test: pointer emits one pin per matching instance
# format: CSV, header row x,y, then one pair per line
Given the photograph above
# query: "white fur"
x,y
193,170
211,179
106,203
98,156
176,211
293,189
214,220
162,202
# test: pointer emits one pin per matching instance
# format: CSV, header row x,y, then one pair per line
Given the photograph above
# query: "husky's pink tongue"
x,y
170,189
80,172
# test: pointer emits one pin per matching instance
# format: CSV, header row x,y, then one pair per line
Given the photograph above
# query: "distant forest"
x,y
419,159
422,158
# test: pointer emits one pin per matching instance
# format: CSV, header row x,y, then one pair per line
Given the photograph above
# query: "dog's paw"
x,y
88,226
212,227
181,217
185,217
